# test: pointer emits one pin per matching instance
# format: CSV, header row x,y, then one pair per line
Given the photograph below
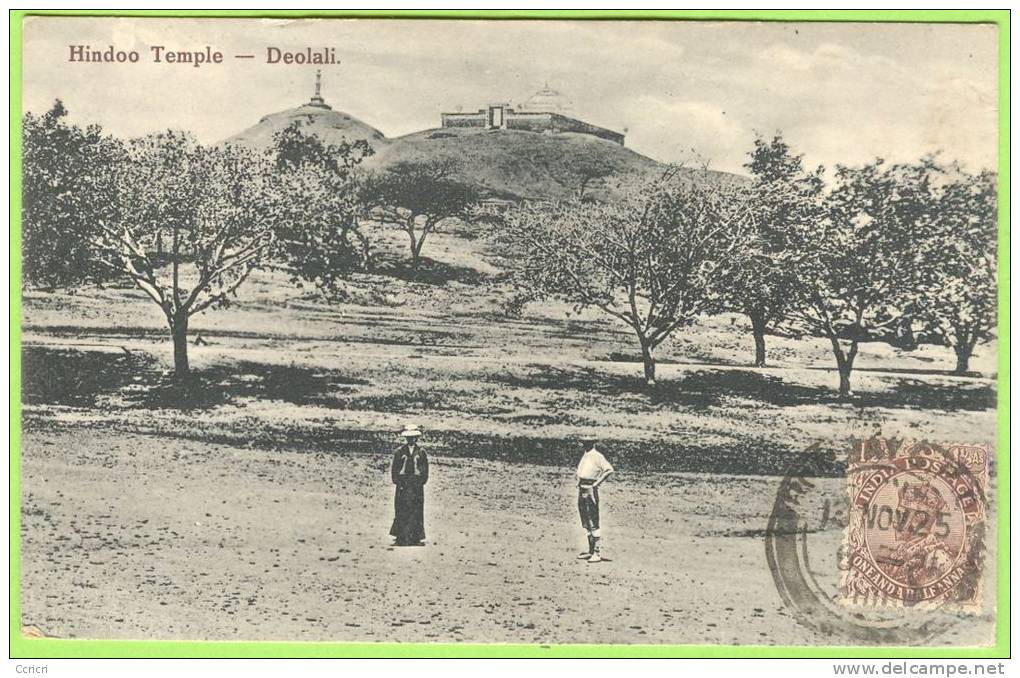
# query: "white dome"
x,y
547,100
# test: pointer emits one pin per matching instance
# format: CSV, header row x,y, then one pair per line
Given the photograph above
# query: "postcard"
x,y
541,332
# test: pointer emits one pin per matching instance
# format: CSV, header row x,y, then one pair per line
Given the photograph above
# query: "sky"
x,y
682,91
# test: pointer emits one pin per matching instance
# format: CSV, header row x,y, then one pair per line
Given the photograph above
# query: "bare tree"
x,y
651,261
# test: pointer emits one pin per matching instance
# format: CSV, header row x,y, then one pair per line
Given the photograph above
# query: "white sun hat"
x,y
411,430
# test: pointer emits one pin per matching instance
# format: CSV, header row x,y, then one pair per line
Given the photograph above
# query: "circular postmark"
x,y
876,557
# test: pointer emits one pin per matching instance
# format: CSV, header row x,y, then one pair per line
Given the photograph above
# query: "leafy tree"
x,y
295,149
416,196
957,298
855,269
67,180
589,167
651,261
186,224
208,206
107,208
783,196
320,239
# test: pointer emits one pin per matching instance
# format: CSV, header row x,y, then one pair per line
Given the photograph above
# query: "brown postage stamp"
x,y
916,526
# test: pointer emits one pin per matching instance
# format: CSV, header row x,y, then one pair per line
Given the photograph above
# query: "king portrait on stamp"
x,y
915,534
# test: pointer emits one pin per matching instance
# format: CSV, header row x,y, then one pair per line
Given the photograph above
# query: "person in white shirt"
x,y
592,471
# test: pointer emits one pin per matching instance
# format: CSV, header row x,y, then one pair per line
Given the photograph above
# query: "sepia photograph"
x,y
540,332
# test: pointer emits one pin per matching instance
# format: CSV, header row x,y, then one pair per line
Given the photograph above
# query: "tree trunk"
x,y
417,243
366,252
963,352
845,365
966,339
649,362
758,328
844,382
366,246
179,330
581,189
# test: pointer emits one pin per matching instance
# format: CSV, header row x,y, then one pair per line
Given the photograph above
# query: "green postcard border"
x,y
22,647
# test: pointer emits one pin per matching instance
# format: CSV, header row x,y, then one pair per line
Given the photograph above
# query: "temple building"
x,y
546,111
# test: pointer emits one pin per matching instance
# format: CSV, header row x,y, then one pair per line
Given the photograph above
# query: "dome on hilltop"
x,y
547,100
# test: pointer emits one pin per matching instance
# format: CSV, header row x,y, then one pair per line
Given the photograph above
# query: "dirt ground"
x,y
134,536
255,503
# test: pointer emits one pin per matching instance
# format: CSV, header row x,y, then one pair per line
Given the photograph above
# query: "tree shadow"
x,y
223,384
696,390
766,388
588,380
429,271
737,455
633,358
929,371
925,395
708,388
75,378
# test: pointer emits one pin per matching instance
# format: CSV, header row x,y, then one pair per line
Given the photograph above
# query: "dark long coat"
x,y
410,472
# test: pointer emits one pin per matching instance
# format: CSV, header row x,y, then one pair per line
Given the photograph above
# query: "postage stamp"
x,y
916,523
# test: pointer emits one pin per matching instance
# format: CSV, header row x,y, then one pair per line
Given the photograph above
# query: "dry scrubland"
x,y
254,504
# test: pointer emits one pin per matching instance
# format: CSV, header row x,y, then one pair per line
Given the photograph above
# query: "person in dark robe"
x,y
410,472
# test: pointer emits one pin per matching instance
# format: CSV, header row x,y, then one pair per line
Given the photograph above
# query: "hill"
x,y
514,163
508,164
330,126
